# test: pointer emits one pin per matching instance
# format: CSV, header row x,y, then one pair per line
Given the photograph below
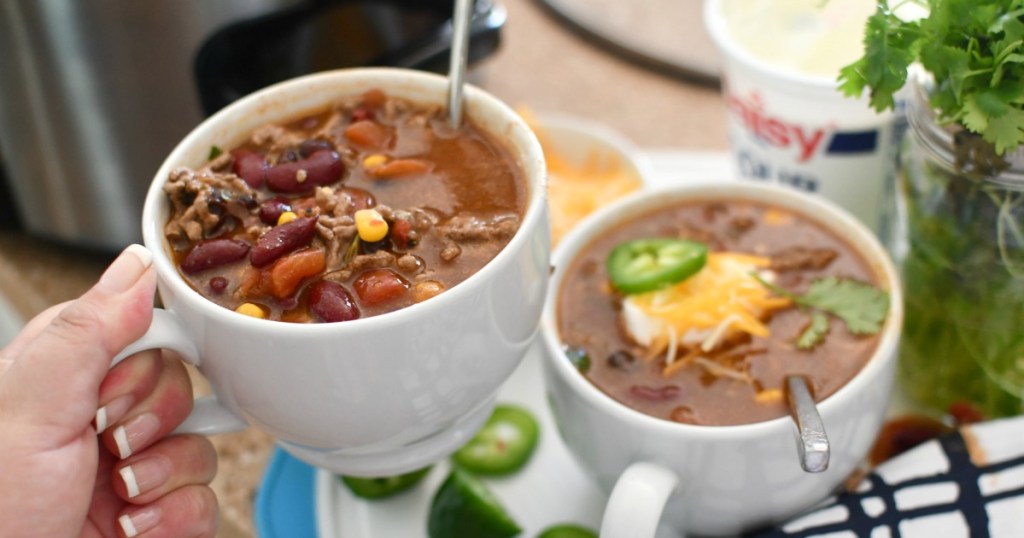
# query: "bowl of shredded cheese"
x,y
589,166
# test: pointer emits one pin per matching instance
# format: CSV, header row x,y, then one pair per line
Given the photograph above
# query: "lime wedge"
x,y
464,507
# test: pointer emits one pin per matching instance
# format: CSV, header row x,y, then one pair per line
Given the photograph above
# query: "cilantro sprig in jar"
x,y
960,242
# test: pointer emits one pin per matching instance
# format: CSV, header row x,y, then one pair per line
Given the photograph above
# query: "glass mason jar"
x,y
959,241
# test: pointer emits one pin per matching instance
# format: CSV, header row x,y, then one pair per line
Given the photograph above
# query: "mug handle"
x,y
635,505
208,415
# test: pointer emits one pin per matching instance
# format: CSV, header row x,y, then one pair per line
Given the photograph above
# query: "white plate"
x,y
551,489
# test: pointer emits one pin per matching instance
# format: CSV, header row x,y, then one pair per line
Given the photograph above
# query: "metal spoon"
x,y
813,442
457,61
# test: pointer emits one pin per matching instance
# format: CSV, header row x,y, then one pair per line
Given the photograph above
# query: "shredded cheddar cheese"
x,y
577,189
722,298
769,396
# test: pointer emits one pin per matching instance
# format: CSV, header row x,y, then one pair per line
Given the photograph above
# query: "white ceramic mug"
x,y
714,480
373,396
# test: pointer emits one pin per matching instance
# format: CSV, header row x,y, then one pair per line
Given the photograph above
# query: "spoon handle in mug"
x,y
812,441
635,505
208,415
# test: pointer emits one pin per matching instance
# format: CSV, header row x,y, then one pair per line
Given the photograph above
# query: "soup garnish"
x,y
648,264
360,209
696,313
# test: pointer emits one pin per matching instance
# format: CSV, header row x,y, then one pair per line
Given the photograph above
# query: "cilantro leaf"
x,y
1006,131
890,46
861,306
974,52
815,331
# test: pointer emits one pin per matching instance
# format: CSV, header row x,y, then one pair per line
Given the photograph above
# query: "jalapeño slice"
x,y
385,486
646,265
503,445
464,507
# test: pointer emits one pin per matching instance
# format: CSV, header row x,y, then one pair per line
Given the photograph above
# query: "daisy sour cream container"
x,y
788,121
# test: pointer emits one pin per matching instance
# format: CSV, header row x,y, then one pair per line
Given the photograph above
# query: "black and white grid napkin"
x,y
967,484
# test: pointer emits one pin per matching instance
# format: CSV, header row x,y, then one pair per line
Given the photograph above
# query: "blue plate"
x,y
285,501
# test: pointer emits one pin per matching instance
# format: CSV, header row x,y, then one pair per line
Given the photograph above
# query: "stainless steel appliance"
x,y
95,93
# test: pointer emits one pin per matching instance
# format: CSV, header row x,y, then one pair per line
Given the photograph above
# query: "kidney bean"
x,y
371,247
653,394
378,286
331,302
361,199
271,209
401,234
322,168
622,360
309,147
213,253
250,166
281,240
218,284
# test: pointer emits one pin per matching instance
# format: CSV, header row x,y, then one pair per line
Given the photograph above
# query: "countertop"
x,y
542,65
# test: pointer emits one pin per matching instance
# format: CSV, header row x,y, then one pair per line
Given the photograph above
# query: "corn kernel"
x,y
371,225
374,161
287,216
251,310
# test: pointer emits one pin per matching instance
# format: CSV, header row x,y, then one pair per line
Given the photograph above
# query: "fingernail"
x,y
139,521
112,412
126,269
135,433
145,475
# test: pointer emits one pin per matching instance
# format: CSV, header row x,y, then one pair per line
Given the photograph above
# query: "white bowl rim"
x,y
599,132
534,172
766,193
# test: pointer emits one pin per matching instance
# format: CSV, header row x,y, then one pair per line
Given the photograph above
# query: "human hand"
x,y
55,381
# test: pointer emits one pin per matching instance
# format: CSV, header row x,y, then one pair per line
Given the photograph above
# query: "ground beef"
x,y
696,233
422,220
450,251
363,262
276,139
409,264
393,108
337,234
472,228
802,258
221,162
331,203
741,224
203,201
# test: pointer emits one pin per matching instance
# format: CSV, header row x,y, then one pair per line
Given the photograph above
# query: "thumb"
x,y
54,379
